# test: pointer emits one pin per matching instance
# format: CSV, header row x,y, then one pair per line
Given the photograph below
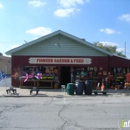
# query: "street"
x,y
71,113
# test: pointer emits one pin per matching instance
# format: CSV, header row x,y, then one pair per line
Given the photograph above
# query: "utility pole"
x,y
125,48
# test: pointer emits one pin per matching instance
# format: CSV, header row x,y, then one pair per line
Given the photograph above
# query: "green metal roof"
x,y
59,32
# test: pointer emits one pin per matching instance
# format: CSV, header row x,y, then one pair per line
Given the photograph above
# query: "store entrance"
x,y
65,75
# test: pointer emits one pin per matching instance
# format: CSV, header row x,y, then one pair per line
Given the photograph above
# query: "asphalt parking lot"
x,y
71,113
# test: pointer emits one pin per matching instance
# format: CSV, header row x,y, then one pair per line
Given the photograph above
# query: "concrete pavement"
x,y
56,93
26,92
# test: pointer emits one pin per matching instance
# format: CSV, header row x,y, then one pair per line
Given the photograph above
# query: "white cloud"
x,y
120,49
65,12
68,7
35,38
109,43
41,31
36,3
71,3
1,6
14,46
108,31
125,17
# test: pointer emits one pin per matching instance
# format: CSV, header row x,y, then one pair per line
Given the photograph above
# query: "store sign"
x,y
45,60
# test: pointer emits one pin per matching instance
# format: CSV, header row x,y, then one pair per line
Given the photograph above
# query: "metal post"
x,y
125,48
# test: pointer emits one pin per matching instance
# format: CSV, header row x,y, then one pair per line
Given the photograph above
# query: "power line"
x,y
12,41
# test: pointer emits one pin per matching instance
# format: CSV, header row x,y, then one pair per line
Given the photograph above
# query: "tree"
x,y
1,54
110,48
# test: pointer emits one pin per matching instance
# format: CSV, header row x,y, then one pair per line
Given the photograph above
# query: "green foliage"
x,y
110,48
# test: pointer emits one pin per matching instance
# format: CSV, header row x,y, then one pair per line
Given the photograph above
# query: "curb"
x,y
67,96
23,95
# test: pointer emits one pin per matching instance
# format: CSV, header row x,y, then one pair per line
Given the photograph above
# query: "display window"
x,y
83,73
38,76
41,72
118,77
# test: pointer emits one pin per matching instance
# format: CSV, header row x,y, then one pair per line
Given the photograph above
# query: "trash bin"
x,y
79,87
70,88
88,87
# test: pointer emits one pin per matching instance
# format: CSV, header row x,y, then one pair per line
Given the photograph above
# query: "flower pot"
x,y
56,86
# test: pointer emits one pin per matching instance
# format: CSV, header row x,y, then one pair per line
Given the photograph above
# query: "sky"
x,y
105,21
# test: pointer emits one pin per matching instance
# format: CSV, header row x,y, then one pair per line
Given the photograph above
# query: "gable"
x,y
59,46
48,46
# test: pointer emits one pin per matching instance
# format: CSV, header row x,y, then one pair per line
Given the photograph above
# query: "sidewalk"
x,y
26,93
56,93
6,84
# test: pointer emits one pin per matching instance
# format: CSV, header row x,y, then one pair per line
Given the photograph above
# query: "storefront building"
x,y
61,58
